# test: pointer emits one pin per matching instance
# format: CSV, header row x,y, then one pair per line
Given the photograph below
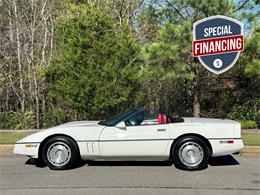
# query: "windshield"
x,y
117,118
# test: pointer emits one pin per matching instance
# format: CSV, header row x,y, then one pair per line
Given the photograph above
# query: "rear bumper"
x,y
28,149
220,147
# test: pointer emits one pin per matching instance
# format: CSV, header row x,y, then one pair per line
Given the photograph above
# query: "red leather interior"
x,y
162,119
159,118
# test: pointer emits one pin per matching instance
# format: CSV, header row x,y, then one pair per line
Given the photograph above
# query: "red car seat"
x,y
162,119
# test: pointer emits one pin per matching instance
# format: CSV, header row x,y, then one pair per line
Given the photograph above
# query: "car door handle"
x,y
161,129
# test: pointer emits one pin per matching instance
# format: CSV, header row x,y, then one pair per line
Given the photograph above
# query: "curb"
x,y
250,151
19,131
7,149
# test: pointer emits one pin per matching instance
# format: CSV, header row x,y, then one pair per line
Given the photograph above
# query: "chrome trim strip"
x,y
135,140
222,138
121,140
28,143
129,140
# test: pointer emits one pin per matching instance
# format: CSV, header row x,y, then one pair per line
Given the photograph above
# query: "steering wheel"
x,y
127,123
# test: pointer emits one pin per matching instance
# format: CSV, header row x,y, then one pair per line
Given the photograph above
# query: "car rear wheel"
x,y
190,153
60,153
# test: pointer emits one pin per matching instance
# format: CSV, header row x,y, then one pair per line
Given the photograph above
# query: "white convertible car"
x,y
134,135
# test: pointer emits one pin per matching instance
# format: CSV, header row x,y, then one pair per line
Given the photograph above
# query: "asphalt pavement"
x,y
225,175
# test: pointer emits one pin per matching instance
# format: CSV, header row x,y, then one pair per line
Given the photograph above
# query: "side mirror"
x,y
121,125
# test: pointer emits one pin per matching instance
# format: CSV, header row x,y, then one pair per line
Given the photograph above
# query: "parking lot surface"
x,y
224,175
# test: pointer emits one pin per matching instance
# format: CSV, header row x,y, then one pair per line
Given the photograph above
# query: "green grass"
x,y
11,138
251,139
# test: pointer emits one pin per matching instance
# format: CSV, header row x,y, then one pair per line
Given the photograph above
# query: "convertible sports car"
x,y
134,135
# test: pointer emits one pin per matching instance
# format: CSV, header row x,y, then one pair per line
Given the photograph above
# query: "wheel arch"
x,y
204,139
55,135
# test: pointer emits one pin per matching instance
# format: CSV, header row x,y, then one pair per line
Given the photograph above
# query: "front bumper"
x,y
27,148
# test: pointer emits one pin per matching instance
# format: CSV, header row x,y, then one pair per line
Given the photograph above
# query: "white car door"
x,y
134,141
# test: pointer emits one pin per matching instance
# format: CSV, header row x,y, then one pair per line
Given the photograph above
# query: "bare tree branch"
x,y
177,10
241,6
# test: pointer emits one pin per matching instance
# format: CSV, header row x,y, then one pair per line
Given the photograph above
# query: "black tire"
x,y
182,157
70,152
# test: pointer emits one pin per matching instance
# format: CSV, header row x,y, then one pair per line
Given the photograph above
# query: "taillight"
x,y
226,141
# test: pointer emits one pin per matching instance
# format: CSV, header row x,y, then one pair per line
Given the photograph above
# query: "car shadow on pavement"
x,y
36,162
129,163
40,164
214,161
227,160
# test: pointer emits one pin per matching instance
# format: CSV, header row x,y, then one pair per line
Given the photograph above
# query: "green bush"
x,y
53,117
247,111
24,120
248,124
18,120
4,123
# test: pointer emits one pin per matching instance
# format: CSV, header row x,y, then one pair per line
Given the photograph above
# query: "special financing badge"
x,y
217,42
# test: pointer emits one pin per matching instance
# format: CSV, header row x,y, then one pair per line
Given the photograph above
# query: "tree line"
x,y
64,60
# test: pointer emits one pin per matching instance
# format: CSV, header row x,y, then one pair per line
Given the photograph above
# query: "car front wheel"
x,y
190,153
60,153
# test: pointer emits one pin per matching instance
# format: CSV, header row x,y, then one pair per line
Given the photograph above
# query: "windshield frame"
x,y
120,117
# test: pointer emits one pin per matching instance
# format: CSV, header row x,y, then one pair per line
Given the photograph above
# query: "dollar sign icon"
x,y
217,63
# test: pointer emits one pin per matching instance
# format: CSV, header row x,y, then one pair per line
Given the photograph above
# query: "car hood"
x,y
80,130
79,124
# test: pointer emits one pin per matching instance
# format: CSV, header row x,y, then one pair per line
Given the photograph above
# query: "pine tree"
x,y
94,71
